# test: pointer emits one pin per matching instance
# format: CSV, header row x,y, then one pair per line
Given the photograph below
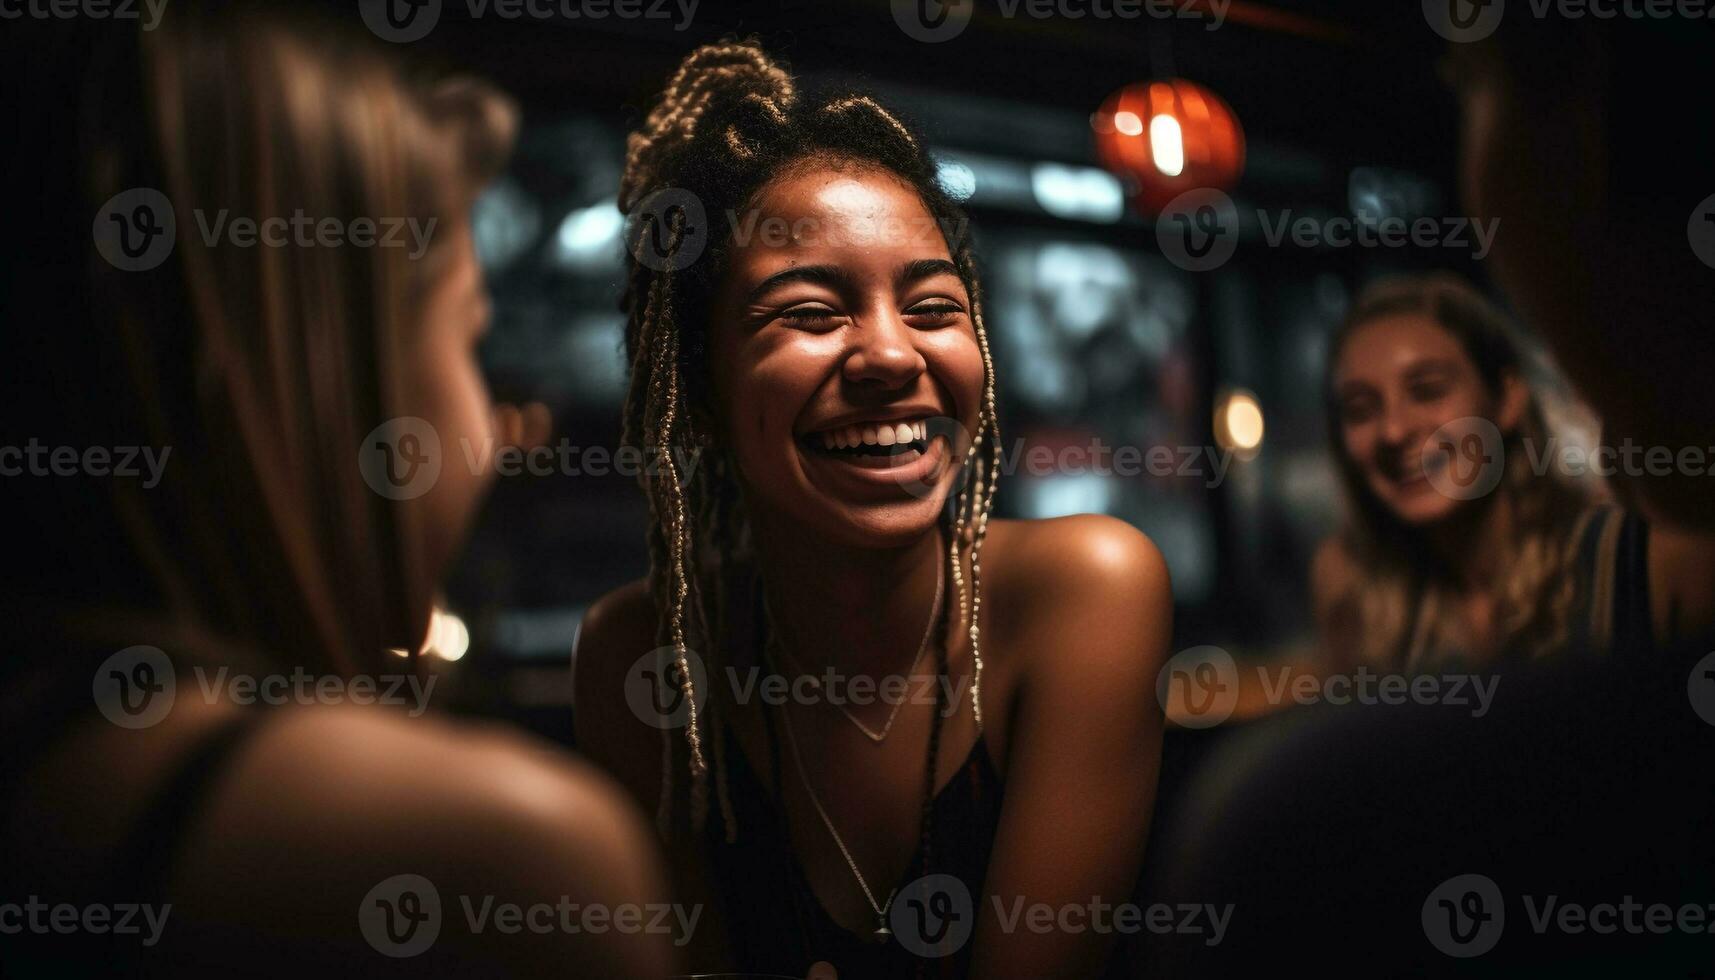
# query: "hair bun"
x,y
719,91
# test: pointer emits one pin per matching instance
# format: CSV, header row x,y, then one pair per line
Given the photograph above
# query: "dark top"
x,y
775,923
137,870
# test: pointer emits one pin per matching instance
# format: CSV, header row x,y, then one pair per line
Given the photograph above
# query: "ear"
x,y
1515,398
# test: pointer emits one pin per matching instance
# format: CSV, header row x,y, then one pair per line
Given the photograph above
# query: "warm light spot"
x,y
1167,145
1238,422
449,638
1127,122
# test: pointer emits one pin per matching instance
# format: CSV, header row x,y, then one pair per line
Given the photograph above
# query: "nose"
x,y
1398,425
883,353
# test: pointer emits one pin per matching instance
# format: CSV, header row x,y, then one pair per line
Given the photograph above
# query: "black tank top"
x,y
776,924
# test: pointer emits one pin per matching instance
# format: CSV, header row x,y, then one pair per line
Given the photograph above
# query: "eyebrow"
x,y
831,276
837,278
924,269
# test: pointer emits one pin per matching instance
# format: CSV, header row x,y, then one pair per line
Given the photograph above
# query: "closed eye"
x,y
934,313
810,317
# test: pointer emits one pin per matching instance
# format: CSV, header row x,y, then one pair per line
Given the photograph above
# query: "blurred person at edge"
x,y
267,837
1462,538
1417,835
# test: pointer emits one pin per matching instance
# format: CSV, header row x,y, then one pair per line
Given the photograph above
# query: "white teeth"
x,y
875,434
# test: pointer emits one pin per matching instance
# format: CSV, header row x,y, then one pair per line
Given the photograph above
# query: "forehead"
x,y
852,215
1395,343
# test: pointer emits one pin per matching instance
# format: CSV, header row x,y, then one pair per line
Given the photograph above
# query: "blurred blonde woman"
x,y
1458,545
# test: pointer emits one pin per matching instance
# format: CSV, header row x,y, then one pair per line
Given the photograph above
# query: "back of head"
x,y
194,402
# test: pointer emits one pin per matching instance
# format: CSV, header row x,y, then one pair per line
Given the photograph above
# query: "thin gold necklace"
x,y
882,932
874,736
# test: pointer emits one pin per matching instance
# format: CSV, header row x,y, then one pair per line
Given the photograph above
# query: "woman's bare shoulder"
x,y
337,801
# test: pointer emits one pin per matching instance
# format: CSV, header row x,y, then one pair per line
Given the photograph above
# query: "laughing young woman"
x,y
811,360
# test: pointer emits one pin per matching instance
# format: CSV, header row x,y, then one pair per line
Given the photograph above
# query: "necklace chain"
x,y
922,647
880,908
821,811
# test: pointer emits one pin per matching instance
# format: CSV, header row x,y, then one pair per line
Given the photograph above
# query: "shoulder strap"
x,y
1634,629
145,862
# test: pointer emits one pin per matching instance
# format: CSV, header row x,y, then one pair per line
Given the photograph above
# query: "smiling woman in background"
x,y
819,357
1456,545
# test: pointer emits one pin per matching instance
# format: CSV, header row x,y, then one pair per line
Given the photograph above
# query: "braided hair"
x,y
730,121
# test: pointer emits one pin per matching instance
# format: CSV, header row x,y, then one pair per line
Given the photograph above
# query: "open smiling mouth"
x,y
877,445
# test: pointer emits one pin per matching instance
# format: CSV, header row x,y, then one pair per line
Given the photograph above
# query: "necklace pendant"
x,y
882,932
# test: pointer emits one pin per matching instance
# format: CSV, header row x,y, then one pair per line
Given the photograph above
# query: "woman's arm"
x,y
1332,574
1085,746
1682,584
